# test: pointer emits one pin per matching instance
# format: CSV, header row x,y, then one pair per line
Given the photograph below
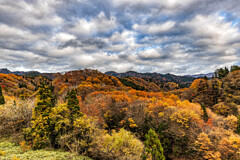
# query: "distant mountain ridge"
x,y
209,75
29,73
157,78
5,71
164,77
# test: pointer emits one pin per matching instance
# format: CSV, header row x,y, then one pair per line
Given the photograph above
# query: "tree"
x,y
234,68
70,128
73,105
2,101
226,71
205,115
221,72
238,125
153,147
41,132
206,78
205,148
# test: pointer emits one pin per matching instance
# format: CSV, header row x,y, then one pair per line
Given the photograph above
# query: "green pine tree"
x,y
2,101
73,105
153,147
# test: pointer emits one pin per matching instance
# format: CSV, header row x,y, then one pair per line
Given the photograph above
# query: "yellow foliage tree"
x,y
205,148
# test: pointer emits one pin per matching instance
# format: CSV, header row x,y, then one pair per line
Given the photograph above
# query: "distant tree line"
x,y
222,72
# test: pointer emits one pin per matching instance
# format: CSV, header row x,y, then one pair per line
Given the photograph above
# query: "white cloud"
x,y
9,33
154,28
212,27
99,24
149,54
63,37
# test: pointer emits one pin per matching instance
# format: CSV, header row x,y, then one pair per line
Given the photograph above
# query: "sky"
x,y
165,36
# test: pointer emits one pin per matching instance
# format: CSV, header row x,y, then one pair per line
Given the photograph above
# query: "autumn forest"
x,y
85,114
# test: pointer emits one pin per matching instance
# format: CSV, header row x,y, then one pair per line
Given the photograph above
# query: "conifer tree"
x,y
41,132
73,105
153,147
2,101
226,71
234,68
205,115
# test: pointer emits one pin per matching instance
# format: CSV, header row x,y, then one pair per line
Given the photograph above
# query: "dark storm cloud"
x,y
181,37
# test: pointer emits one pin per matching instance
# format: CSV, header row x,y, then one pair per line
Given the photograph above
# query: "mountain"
x,y
5,71
209,75
157,78
51,76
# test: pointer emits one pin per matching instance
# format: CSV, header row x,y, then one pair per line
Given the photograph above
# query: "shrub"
x,y
80,138
14,116
120,145
24,146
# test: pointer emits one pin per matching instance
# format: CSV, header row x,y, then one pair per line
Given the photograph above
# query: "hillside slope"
x,y
222,95
157,78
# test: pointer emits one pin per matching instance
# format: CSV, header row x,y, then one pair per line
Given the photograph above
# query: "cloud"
x,y
180,37
152,54
99,24
154,28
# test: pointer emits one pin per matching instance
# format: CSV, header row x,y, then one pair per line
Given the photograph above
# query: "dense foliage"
x,y
96,115
220,95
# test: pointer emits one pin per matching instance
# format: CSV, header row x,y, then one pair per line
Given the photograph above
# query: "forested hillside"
x,y
157,78
88,113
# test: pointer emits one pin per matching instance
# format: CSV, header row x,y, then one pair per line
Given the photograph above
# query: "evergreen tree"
x,y
226,71
205,115
234,68
51,87
205,77
73,105
153,146
2,101
221,72
41,132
